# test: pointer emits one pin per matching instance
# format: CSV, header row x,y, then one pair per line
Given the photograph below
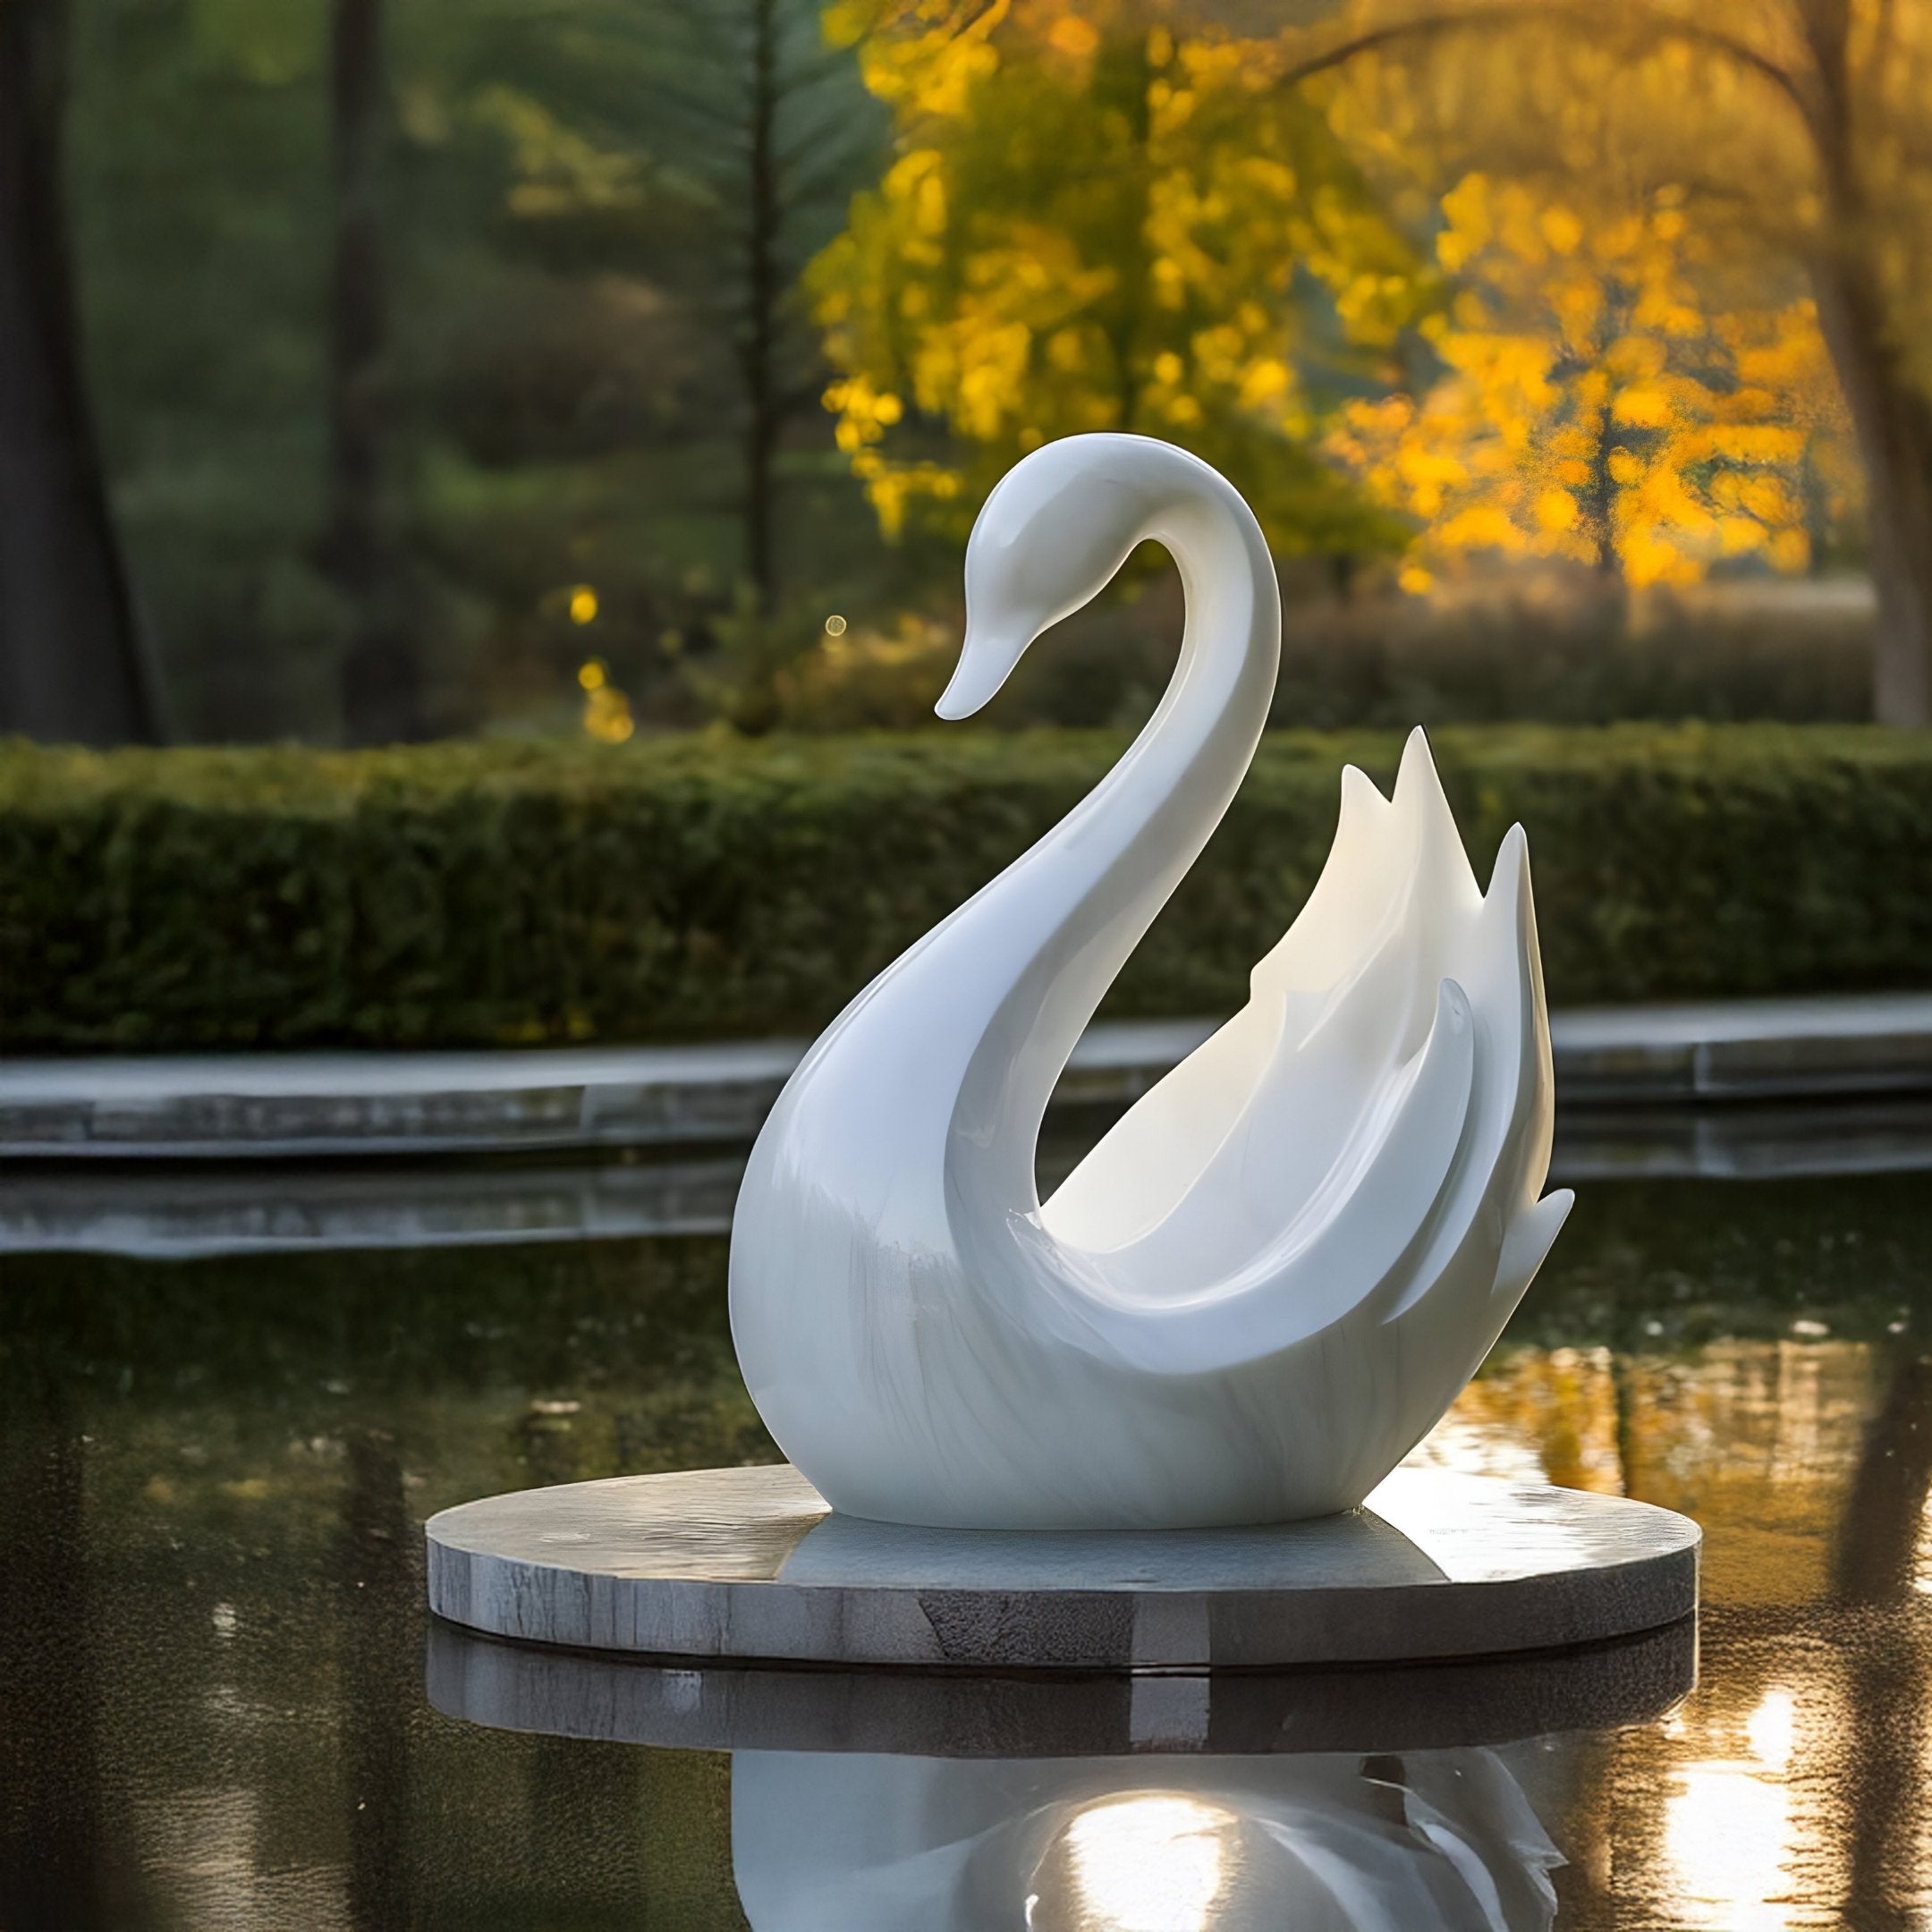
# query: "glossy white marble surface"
x,y
1272,1277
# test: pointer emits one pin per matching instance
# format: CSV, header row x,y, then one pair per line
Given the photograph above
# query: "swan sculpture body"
x,y
1266,1284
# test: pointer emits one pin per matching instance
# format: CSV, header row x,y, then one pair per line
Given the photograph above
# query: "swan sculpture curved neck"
x,y
1272,1275
1053,932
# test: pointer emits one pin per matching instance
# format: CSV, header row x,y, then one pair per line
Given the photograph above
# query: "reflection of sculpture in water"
x,y
1428,1842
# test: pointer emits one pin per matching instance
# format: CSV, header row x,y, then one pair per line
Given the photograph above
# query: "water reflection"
x,y
200,1464
1417,1799
1727,1828
1443,1840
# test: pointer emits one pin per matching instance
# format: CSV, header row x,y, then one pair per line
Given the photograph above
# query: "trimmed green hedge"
x,y
490,893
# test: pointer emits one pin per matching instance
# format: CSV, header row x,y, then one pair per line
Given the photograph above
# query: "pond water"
x,y
212,1647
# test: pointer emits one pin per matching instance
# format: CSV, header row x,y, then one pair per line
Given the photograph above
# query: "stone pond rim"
x,y
260,1107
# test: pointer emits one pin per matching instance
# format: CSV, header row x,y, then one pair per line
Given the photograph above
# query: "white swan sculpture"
x,y
1270,1278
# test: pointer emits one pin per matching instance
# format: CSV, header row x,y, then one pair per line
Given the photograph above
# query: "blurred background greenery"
x,y
618,366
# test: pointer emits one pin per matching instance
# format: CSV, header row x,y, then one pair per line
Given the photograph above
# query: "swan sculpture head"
x,y
1266,1283
1047,541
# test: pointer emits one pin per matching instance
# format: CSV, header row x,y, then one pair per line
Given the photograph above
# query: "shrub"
x,y
493,893
1549,646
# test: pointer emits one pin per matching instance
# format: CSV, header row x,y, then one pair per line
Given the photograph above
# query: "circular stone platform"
x,y
749,1564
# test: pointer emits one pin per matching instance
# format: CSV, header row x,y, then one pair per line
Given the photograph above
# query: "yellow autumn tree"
x,y
1594,402
1094,222
1799,127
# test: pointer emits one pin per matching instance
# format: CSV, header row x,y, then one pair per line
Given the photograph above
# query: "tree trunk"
x,y
764,289
1892,423
381,685
1890,418
70,661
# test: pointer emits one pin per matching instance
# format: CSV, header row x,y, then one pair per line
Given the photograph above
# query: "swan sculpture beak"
x,y
1052,536
986,660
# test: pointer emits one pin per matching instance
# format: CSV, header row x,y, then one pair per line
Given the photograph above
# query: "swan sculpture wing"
x,y
1268,1281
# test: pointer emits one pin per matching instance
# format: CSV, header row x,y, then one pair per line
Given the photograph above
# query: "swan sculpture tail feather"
x,y
1270,1278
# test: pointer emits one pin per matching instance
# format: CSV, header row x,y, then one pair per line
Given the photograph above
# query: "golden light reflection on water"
x,y
1149,1863
1728,1837
1759,1438
1541,1415
1727,1842
1789,1791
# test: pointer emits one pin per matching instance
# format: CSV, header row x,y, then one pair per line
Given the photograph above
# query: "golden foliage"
x,y
1595,403
606,712
1104,215
1094,222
